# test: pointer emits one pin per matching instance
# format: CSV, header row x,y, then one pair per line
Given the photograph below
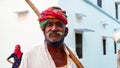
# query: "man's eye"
x,y
49,24
59,24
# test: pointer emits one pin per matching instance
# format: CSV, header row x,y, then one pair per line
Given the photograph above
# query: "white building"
x,y
91,26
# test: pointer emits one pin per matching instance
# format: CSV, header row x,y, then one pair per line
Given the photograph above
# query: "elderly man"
x,y
118,59
53,53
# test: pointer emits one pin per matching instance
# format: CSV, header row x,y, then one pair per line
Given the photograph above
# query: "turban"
x,y
51,13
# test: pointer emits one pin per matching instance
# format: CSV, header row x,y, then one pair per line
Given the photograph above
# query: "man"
x,y
118,59
53,53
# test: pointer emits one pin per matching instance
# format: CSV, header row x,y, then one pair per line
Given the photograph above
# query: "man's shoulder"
x,y
34,50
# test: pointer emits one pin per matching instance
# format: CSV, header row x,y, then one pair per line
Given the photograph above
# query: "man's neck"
x,y
54,44
58,54
55,48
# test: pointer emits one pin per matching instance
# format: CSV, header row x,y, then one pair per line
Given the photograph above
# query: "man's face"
x,y
54,30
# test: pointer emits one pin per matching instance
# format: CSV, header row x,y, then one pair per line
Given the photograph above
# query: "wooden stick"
x,y
33,7
73,57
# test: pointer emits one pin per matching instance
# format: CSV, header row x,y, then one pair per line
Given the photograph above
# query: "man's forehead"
x,y
55,21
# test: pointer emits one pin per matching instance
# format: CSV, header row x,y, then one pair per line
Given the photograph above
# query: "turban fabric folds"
x,y
51,13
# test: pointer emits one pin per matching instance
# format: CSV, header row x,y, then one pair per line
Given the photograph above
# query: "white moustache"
x,y
51,32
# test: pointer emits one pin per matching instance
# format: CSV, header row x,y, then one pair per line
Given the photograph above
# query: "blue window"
x,y
99,3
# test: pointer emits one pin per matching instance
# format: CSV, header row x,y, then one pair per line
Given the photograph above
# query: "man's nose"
x,y
54,28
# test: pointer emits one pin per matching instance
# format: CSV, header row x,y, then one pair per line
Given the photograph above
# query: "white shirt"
x,y
39,57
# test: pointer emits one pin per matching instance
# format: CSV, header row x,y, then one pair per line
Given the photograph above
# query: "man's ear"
x,y
66,31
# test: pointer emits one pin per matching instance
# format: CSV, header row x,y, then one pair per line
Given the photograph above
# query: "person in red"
x,y
17,55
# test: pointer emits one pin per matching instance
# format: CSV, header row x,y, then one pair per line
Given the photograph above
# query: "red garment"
x,y
53,12
17,51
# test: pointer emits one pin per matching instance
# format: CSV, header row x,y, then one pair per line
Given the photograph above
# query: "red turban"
x,y
50,13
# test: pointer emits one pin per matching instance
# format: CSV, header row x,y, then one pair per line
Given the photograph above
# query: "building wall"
x,y
92,41
20,29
